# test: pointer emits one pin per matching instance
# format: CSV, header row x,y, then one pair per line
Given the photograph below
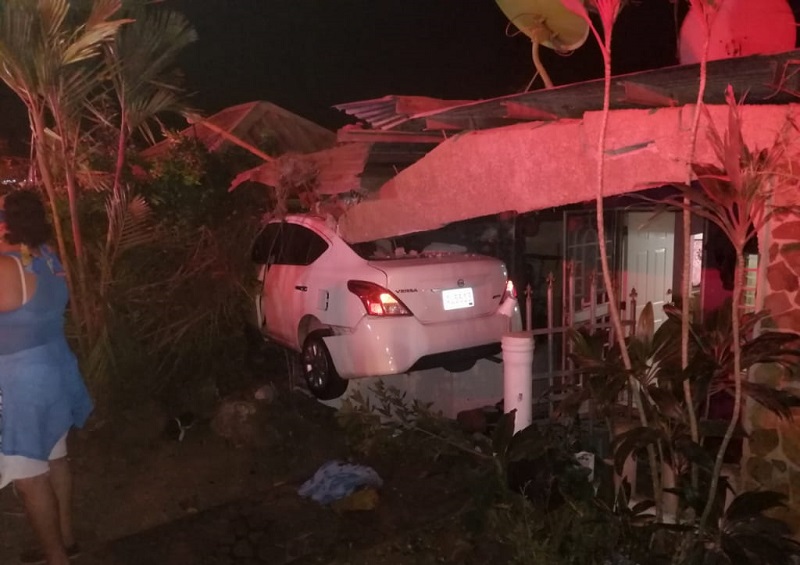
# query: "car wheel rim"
x,y
316,366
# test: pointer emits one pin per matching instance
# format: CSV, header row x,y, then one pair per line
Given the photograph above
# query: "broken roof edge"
x,y
533,166
763,78
393,109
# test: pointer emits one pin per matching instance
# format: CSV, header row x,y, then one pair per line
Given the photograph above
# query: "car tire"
x,y
319,372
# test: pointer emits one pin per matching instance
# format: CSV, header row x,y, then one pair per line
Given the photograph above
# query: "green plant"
x,y
735,194
542,503
385,421
745,534
51,59
656,368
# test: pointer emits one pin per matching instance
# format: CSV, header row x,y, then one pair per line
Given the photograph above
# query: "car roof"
x,y
317,222
299,219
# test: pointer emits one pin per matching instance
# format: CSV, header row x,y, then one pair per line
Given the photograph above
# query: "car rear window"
x,y
288,244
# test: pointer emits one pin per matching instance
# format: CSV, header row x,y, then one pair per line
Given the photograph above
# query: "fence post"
x,y
568,317
551,324
592,300
518,377
528,307
632,331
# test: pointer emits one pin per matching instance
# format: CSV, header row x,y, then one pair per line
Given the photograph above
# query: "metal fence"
x,y
553,371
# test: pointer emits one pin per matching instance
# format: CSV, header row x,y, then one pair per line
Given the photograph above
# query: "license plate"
x,y
456,298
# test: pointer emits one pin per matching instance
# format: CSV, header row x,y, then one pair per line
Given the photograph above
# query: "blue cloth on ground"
x,y
336,480
42,389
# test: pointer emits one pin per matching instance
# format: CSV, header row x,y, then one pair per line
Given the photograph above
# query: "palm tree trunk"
x,y
737,381
613,306
121,143
37,124
114,209
686,284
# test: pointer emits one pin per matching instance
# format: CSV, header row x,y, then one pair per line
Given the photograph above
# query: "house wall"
x,y
541,165
772,455
536,166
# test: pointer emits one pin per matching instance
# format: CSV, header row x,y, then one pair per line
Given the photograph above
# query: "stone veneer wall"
x,y
771,457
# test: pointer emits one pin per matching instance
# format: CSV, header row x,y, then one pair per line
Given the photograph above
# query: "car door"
x,y
289,288
268,253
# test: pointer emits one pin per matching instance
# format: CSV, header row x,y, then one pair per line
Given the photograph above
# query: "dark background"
x,y
307,55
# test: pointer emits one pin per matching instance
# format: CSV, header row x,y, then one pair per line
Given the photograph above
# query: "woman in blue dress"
x,y
43,394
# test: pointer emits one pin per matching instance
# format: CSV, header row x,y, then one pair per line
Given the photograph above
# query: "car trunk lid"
x,y
446,287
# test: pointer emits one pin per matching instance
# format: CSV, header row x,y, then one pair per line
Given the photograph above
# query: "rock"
x,y
472,421
240,422
266,393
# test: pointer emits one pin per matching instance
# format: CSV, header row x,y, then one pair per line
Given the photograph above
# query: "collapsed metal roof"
x,y
411,126
255,123
438,162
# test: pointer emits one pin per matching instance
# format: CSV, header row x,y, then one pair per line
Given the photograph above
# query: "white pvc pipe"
x,y
518,377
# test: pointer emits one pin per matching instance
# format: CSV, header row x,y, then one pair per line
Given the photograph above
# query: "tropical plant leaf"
x,y
645,325
138,227
751,503
633,440
528,443
748,536
667,403
693,451
503,433
778,401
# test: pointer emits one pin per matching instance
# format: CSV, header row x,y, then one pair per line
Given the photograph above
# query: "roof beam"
x,y
537,166
433,125
354,133
646,95
518,111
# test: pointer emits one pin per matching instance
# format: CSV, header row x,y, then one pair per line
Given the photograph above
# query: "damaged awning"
x,y
540,165
338,170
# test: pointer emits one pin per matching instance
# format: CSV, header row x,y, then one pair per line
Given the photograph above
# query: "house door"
x,y
586,299
651,249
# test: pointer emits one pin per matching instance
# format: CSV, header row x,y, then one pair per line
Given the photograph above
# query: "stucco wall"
x,y
539,165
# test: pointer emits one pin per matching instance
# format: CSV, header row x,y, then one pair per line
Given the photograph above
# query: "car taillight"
x,y
377,300
511,291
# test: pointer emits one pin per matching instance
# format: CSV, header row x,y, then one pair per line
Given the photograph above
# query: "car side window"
x,y
269,245
302,246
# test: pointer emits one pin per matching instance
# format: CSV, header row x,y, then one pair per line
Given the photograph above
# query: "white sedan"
x,y
372,309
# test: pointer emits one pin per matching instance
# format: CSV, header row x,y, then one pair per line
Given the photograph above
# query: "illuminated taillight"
x,y
511,291
377,300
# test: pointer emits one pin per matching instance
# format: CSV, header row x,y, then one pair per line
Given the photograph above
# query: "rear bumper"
x,y
388,346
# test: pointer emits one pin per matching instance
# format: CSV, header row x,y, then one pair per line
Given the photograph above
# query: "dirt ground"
x,y
143,497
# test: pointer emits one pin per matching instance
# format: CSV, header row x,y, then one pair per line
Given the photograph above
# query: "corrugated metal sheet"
x,y
391,111
769,79
763,79
339,169
255,122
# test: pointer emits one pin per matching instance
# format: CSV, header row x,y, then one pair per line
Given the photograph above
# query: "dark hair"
x,y
26,219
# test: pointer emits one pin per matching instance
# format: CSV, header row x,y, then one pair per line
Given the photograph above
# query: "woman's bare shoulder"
x,y
8,267
7,261
10,286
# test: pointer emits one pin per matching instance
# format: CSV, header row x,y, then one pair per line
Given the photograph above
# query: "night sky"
x,y
307,55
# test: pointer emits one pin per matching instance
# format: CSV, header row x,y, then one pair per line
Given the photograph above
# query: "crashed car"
x,y
375,308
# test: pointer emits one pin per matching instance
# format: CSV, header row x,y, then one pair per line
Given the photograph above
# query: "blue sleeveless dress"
x,y
43,393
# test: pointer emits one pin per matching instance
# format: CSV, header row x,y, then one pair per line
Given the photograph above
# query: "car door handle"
x,y
301,288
